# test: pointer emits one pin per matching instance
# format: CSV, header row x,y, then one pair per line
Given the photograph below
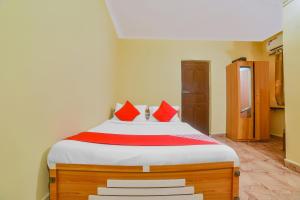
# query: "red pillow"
x,y
128,112
165,112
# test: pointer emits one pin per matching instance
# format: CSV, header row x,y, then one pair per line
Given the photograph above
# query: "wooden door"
x,y
262,100
195,94
232,101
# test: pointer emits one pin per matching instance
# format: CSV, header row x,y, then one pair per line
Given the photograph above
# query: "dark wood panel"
x,y
195,94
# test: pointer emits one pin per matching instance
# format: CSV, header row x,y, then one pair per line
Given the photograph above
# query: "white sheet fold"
x,y
75,152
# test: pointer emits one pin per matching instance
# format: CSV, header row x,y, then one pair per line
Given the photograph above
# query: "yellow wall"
x,y
58,61
277,116
292,73
150,70
277,122
57,66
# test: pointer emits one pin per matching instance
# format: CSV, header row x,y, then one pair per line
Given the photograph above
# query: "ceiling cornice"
x,y
113,18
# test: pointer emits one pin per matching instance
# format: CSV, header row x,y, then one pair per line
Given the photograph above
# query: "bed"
x,y
78,169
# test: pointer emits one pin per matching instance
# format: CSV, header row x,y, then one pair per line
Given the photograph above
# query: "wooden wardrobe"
x,y
248,101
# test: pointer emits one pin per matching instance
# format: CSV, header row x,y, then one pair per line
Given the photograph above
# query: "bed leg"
x,y
235,183
53,184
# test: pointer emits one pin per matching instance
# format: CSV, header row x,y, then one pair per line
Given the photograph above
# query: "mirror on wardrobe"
x,y
246,91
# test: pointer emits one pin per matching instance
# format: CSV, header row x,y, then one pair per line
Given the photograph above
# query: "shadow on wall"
x,y
42,189
253,51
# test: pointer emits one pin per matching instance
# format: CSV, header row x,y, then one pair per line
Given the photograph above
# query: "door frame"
x,y
209,89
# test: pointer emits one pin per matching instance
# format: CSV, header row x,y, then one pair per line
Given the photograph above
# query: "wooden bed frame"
x,y
217,181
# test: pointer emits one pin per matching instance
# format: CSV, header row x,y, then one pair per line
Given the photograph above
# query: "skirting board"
x,y
46,197
211,134
292,165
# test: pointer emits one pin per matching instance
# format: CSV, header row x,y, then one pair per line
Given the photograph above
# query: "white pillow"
x,y
153,109
140,118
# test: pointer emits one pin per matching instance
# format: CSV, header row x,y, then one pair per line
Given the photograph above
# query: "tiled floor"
x,y
263,175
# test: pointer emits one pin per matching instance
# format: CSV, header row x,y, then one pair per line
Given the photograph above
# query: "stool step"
x,y
145,183
178,197
146,191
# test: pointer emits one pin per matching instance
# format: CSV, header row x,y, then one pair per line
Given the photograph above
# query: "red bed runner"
x,y
138,140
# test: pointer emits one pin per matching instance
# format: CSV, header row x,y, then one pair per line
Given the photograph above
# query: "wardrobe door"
x,y
240,106
232,110
245,101
262,100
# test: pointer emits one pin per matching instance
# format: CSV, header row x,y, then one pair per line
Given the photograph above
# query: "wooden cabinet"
x,y
247,100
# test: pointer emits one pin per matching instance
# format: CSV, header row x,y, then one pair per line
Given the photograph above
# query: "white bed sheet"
x,y
75,152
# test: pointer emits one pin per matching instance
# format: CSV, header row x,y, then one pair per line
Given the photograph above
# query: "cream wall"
x,y
57,61
277,122
277,114
58,66
150,70
292,72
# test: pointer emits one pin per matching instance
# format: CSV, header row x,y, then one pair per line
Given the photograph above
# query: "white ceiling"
x,y
237,20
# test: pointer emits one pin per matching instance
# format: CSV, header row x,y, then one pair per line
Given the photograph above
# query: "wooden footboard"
x,y
216,181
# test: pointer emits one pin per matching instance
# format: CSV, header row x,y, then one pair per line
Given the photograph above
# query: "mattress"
x,y
76,152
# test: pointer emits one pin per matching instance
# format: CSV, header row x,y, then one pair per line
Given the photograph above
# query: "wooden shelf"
x,y
277,107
